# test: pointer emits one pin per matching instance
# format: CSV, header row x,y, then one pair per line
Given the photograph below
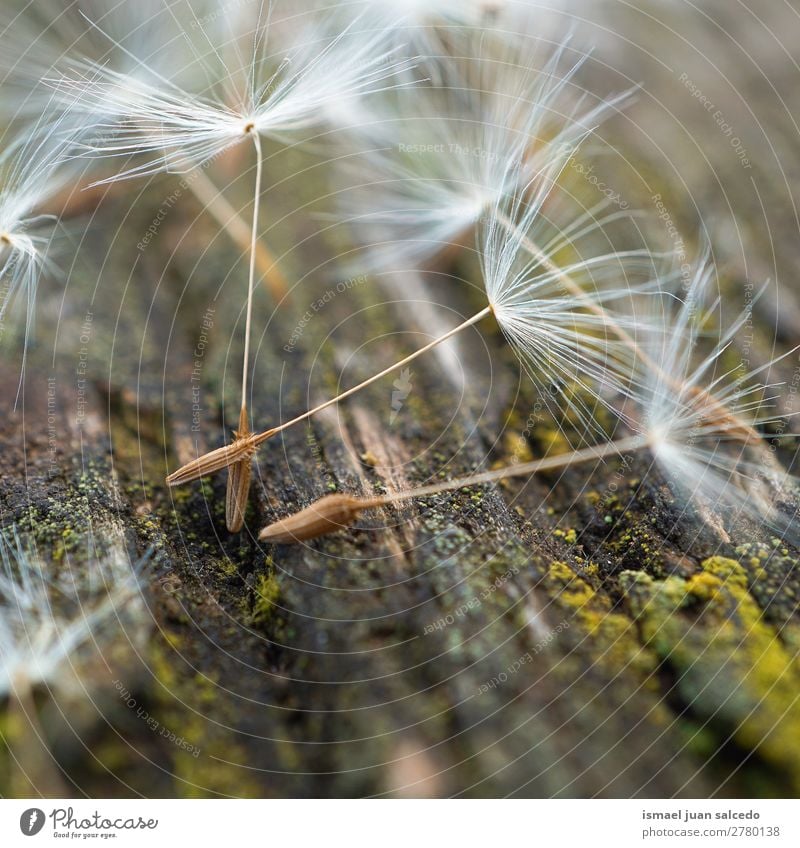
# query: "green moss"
x,y
227,567
728,661
267,592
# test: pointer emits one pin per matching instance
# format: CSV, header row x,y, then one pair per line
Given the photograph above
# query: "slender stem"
x,y
252,278
259,438
524,469
334,512
242,448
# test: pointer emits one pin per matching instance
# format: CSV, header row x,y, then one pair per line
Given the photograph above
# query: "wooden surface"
x,y
573,635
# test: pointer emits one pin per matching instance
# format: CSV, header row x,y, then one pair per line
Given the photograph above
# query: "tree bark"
x,y
579,634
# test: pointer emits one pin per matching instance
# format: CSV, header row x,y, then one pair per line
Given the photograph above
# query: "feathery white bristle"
x,y
48,631
271,93
140,34
32,172
427,27
430,172
564,318
693,414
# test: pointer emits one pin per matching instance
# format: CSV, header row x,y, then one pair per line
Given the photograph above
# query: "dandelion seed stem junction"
x,y
246,442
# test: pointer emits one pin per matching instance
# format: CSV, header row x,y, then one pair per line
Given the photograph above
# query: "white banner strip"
x,y
402,824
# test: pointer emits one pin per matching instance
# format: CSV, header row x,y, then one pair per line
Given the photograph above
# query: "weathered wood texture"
x,y
575,635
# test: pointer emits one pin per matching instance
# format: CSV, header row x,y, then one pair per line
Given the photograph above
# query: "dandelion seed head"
x,y
32,172
701,417
174,127
49,627
499,117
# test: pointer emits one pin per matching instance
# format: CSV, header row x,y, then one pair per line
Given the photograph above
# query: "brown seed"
x,y
327,515
237,493
213,461
238,480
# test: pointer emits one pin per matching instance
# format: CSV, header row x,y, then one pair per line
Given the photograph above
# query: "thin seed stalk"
x,y
232,222
739,428
335,512
246,445
252,272
238,488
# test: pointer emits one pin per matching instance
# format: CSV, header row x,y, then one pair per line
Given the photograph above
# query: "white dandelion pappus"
x,y
33,45
427,178
569,322
428,26
32,172
703,429
275,94
138,43
696,419
566,336
47,632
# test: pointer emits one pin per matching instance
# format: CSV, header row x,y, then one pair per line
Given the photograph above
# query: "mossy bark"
x,y
572,635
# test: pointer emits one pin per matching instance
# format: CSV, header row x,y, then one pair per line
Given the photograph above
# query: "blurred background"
x,y
570,635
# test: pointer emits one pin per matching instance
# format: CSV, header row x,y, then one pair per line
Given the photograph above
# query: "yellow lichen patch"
x,y
516,446
551,440
728,570
729,662
615,642
204,752
704,586
570,536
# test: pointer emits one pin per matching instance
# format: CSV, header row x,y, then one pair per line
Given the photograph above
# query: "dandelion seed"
x,y
560,321
48,631
327,515
703,430
140,42
432,171
707,474
31,174
239,479
335,512
560,332
267,94
697,424
185,130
